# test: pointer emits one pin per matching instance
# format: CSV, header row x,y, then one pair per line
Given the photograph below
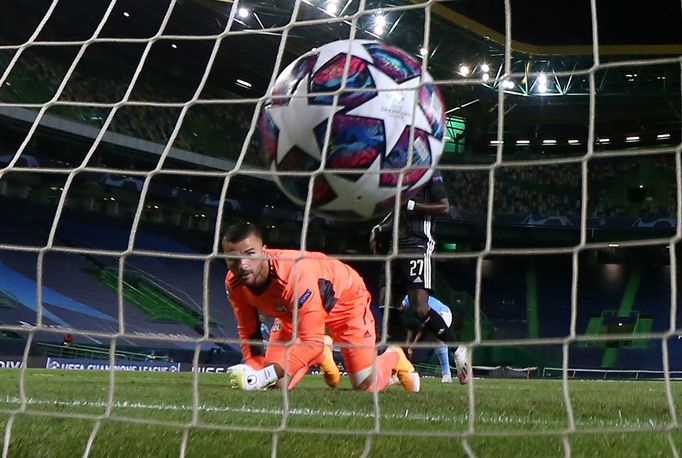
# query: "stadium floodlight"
x,y
485,68
332,8
632,138
464,70
126,14
604,141
174,46
542,83
244,83
549,142
243,12
574,142
423,51
662,136
485,77
614,245
379,24
508,84
523,142
496,142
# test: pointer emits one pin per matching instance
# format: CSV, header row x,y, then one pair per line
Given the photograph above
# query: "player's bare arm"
x,y
384,226
411,341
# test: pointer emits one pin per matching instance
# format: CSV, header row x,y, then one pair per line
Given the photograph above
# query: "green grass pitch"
x,y
150,412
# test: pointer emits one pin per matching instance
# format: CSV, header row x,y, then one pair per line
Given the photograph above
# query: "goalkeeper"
x,y
305,292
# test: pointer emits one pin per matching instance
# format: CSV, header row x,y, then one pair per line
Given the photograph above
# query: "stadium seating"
x,y
75,295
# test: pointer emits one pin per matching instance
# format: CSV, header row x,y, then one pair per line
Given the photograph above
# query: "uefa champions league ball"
x,y
368,143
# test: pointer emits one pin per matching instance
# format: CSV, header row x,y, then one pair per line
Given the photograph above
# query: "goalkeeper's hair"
x,y
241,230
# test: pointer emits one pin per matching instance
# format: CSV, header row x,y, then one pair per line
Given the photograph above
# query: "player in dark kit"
x,y
413,273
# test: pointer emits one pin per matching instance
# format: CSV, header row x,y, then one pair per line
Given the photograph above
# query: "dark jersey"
x,y
415,232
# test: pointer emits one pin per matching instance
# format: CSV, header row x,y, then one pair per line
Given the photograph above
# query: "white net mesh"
x,y
154,109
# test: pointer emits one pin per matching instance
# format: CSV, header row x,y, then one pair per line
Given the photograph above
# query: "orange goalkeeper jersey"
x,y
317,286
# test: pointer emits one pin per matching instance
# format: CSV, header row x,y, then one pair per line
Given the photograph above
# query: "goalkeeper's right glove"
x,y
244,378
247,379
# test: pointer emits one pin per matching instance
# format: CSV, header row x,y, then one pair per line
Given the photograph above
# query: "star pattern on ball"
x,y
308,116
435,144
354,195
327,53
395,102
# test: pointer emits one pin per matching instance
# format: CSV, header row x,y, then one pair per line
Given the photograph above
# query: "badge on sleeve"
x,y
304,297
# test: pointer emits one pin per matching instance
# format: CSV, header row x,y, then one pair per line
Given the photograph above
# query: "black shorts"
x,y
409,273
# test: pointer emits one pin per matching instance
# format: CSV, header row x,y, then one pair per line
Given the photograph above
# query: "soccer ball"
x,y
370,125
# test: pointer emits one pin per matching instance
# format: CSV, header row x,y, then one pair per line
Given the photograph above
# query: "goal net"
x,y
130,139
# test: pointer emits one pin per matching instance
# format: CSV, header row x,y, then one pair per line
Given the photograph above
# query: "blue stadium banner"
x,y
205,368
103,365
10,364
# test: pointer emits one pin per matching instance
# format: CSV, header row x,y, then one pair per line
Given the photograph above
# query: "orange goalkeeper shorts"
x,y
353,329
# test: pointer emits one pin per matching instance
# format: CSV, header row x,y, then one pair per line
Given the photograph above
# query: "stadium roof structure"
x,y
552,58
624,27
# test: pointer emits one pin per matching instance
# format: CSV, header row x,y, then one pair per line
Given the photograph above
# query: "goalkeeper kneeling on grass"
x,y
305,292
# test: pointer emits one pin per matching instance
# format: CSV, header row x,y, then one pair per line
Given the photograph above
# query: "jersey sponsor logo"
x,y
304,297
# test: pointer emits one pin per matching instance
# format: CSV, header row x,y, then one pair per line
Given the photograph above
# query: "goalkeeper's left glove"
x,y
248,379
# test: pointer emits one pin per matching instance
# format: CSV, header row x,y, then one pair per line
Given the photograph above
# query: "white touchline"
x,y
307,412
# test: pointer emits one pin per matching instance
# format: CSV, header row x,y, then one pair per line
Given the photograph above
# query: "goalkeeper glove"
x,y
248,379
238,367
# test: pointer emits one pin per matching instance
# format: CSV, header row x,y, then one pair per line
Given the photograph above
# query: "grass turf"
x,y
150,412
